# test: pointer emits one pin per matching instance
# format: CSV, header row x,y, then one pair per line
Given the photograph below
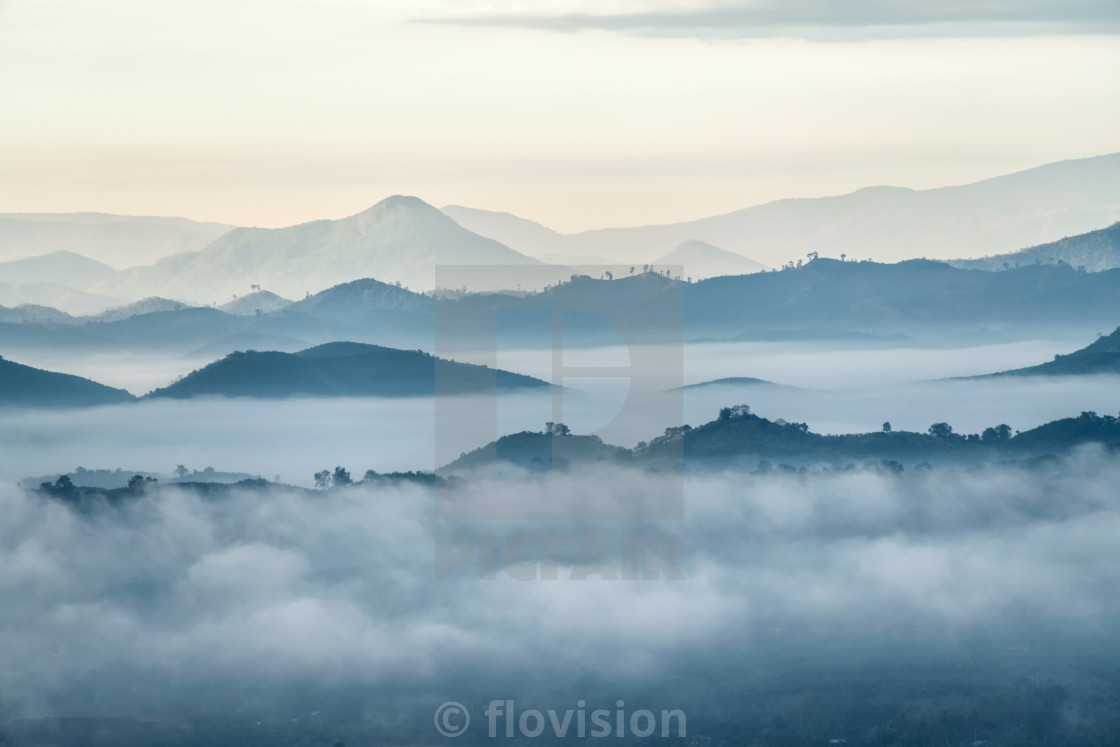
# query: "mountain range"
x,y
403,239
993,216
867,302
398,240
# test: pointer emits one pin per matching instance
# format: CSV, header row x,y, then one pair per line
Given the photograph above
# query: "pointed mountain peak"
x,y
401,205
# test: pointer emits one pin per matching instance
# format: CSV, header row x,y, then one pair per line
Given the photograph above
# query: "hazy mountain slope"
x,y
993,216
148,305
400,239
537,452
733,381
179,328
32,314
360,300
1101,357
340,369
117,240
55,296
262,302
1094,251
24,386
365,310
905,298
823,300
526,236
58,268
701,260
919,299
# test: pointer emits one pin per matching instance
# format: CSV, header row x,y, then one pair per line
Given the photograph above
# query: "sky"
x,y
574,113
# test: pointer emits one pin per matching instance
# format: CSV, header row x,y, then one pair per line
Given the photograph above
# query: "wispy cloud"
x,y
813,19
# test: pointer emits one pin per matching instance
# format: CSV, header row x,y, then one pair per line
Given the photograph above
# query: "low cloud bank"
x,y
282,613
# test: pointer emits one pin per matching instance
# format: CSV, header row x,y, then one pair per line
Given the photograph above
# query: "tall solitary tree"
x,y
341,477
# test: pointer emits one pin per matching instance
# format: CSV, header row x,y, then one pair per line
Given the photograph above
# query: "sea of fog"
x,y
827,606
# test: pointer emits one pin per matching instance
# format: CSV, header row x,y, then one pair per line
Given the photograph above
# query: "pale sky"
x,y
575,113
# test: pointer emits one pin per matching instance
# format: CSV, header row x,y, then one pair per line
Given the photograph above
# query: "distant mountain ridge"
x,y
54,295
258,302
119,241
1094,251
400,239
823,300
993,216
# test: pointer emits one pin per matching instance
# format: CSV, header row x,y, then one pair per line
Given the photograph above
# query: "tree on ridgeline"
x,y
941,430
1001,432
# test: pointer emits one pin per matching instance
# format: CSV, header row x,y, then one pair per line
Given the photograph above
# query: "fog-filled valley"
x,y
950,606
835,390
415,475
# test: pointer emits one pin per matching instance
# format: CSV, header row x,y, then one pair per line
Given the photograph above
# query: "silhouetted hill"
x,y
260,302
24,386
33,314
739,438
538,452
730,381
1093,252
340,369
364,310
700,260
186,327
1101,357
147,305
60,268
